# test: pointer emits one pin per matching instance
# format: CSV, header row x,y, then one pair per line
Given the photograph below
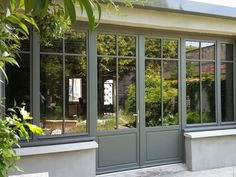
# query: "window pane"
x,y
127,93
51,94
25,45
227,92
76,94
170,49
127,46
170,93
208,92
106,44
106,94
18,88
153,48
192,50
227,52
55,46
208,50
153,93
75,42
193,92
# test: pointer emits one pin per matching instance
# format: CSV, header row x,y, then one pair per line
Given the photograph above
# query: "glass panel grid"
x,y
161,82
200,97
72,85
116,82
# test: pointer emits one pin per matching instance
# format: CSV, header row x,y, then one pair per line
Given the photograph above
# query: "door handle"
x,y
137,115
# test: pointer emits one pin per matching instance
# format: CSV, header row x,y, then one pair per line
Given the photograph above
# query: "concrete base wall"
x,y
210,152
75,163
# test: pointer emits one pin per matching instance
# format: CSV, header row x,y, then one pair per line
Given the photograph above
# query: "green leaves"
x,y
15,126
70,10
89,6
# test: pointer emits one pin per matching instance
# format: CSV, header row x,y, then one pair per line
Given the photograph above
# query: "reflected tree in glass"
x,y
76,94
170,93
193,92
153,98
51,93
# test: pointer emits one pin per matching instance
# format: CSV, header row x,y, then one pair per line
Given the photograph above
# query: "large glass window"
x,y
63,85
227,83
200,82
116,81
161,82
18,88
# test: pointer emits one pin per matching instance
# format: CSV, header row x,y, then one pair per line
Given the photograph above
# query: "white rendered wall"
x,y
68,160
210,149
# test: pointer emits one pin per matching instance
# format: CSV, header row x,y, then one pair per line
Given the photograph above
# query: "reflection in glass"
x,y
153,93
25,45
208,92
18,88
127,46
227,52
106,44
55,46
76,94
126,93
170,49
106,94
192,50
51,94
153,48
208,50
193,92
170,93
75,42
227,92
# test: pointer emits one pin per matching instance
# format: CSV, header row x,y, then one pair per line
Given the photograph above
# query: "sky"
x,y
230,3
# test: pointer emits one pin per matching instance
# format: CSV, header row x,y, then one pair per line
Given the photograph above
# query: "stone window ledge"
x,y
209,134
48,149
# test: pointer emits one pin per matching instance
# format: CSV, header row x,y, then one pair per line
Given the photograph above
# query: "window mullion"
x,y
162,79
218,84
36,79
200,80
117,86
234,81
64,85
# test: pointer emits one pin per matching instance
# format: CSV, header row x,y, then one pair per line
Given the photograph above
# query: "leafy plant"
x,y
15,126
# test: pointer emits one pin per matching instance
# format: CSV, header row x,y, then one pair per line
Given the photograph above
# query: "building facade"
x,y
137,86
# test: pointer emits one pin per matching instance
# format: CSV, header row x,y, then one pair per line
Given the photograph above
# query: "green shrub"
x,y
15,126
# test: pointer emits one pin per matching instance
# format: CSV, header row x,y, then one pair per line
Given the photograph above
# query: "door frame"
x,y
143,129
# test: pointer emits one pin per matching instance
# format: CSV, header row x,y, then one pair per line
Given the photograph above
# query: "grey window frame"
x,y
200,60
218,124
64,54
92,78
35,90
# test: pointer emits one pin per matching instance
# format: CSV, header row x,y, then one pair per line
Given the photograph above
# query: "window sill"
x,y
209,134
28,151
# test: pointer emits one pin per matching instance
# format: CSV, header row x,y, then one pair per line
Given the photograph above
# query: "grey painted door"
x,y
138,109
160,133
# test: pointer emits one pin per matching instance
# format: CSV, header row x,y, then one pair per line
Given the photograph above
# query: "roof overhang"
x,y
211,8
